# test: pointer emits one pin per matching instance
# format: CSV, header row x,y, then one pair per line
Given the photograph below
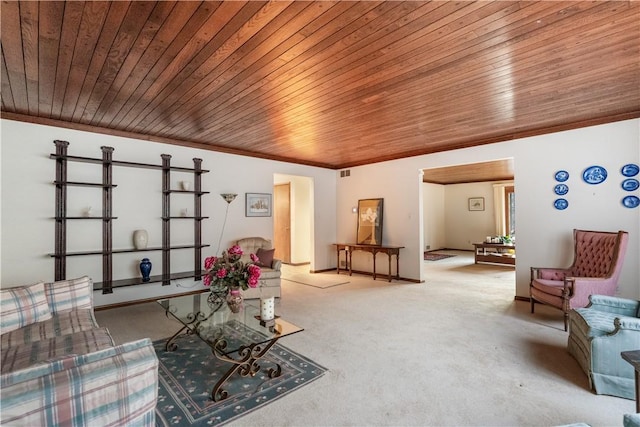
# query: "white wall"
x,y
462,226
28,198
434,216
544,233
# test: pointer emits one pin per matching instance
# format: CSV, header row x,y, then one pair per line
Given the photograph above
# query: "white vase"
x,y
186,185
140,239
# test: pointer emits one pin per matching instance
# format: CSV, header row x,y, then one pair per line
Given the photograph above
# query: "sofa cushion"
x,y
22,306
64,323
265,257
115,386
25,355
70,294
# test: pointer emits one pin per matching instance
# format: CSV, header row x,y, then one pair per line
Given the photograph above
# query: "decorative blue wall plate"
x,y
562,176
561,204
631,202
630,184
630,170
594,174
561,189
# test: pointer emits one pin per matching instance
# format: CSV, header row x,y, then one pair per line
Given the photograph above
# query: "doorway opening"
x,y
449,220
293,218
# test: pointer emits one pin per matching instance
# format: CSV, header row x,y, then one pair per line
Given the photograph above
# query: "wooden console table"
x,y
349,248
493,253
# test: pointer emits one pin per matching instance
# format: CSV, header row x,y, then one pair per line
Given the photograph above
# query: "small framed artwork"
x,y
258,204
370,222
476,203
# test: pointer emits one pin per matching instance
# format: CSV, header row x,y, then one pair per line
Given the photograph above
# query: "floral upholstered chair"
x,y
596,268
270,267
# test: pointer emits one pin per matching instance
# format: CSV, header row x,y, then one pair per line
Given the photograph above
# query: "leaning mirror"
x,y
369,222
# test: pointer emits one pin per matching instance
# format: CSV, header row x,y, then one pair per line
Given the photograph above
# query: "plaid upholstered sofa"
x,y
60,368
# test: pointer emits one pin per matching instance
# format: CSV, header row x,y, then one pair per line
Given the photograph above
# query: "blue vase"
x,y
145,269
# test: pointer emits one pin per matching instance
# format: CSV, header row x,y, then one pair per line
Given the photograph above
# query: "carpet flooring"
x,y
430,256
188,374
454,351
300,275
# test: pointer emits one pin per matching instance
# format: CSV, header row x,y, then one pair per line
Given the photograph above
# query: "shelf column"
x,y
197,224
166,215
107,225
60,246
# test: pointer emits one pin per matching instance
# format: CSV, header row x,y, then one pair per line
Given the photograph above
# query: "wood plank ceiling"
x,y
331,84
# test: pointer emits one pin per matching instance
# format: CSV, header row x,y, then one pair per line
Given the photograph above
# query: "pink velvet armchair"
x,y
596,268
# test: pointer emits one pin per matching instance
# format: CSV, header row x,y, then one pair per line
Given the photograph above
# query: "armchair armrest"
x,y
626,323
276,264
609,304
549,273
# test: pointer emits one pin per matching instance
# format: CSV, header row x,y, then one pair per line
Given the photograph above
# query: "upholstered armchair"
x,y
597,336
596,268
270,267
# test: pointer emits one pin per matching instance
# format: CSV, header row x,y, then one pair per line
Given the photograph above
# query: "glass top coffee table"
x,y
241,339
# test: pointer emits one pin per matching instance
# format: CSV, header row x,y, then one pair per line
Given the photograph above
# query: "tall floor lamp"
x,y
228,197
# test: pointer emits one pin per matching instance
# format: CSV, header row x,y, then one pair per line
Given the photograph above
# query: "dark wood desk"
x,y
349,248
633,357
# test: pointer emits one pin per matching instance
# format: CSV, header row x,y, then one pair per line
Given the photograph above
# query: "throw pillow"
x,y
23,306
71,294
265,257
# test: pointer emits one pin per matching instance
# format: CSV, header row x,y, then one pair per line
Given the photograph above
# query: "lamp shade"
x,y
228,197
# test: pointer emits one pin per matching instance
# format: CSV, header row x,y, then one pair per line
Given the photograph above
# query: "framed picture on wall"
x,y
258,204
370,222
476,203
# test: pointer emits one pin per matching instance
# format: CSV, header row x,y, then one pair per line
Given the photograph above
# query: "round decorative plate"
x,y
630,184
631,202
562,176
630,170
561,189
561,204
594,174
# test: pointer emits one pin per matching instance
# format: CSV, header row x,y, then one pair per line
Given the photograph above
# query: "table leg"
x,y
398,265
374,265
246,365
338,259
171,345
389,256
349,266
637,391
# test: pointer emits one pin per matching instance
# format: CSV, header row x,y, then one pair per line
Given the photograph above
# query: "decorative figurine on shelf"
x,y
145,269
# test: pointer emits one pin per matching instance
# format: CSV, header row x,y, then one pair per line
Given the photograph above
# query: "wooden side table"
x,y
494,253
349,248
633,357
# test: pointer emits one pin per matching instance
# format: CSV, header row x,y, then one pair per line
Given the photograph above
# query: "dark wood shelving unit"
x,y
107,284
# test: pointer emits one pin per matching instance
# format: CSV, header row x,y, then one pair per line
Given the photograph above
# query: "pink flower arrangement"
x,y
229,271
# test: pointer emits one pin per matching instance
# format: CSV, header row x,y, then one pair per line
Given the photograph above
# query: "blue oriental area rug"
x,y
188,374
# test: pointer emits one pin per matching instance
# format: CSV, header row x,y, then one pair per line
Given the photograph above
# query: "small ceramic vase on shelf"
x,y
140,239
234,300
145,269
